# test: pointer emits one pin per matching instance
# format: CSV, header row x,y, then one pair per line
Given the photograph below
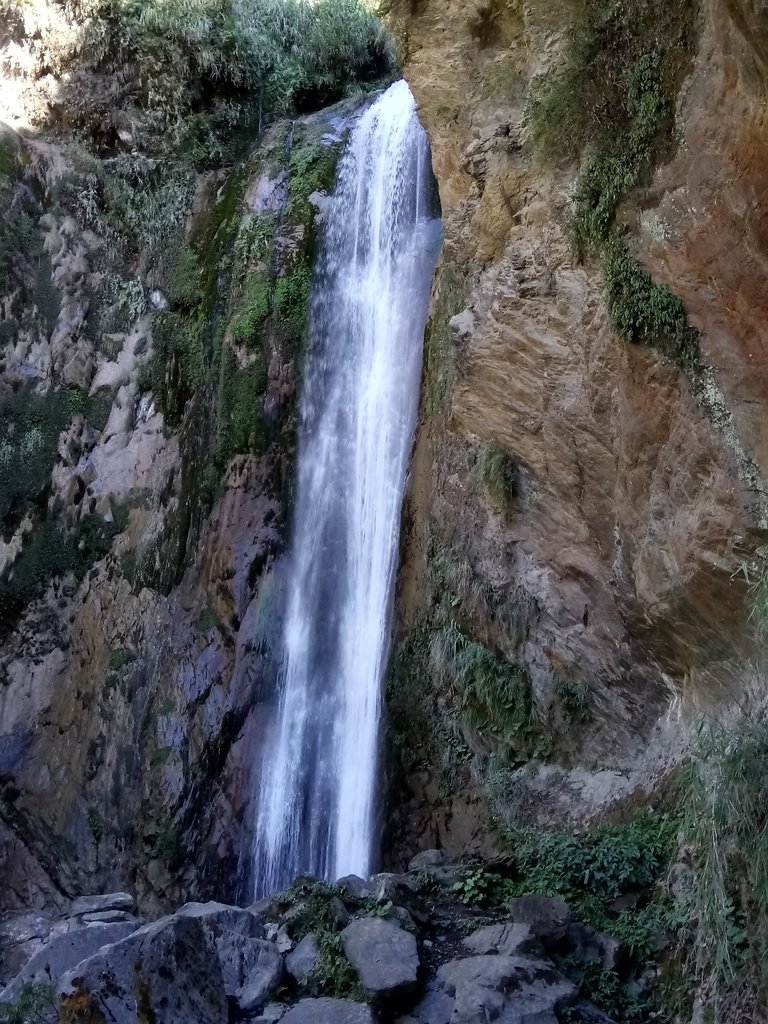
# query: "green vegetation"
x,y
642,311
207,621
496,473
119,658
35,1004
573,698
449,298
95,824
491,695
590,872
197,74
316,908
167,845
51,551
613,101
726,829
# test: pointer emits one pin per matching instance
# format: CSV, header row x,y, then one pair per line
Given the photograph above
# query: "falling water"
x,y
316,796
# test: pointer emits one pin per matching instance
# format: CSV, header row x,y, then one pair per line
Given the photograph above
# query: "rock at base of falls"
x,y
384,956
329,1011
415,955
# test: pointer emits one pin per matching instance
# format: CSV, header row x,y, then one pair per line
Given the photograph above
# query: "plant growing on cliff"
x,y
611,103
727,832
496,473
35,1004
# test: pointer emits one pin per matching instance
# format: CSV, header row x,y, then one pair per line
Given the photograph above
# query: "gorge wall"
x,y
583,514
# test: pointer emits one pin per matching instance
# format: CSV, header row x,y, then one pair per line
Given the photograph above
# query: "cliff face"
x,y
152,321
566,481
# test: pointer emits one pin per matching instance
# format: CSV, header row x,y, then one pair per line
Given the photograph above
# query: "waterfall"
x,y
315,811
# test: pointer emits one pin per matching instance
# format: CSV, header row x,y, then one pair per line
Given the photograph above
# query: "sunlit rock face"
x,y
635,506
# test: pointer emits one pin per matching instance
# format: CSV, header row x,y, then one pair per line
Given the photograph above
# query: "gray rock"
x,y
509,939
271,1013
590,1014
219,915
107,901
356,886
435,1008
303,958
515,989
401,917
384,956
64,952
391,887
22,935
427,859
111,917
547,916
166,972
283,940
592,947
251,969
329,1011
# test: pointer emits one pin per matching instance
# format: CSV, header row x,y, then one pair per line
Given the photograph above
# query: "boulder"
x,y
166,972
65,951
329,1011
356,886
384,956
99,904
110,917
271,1013
516,989
509,939
393,888
547,916
428,859
303,958
591,947
213,954
216,916
22,935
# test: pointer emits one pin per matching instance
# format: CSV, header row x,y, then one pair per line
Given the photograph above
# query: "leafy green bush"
x,y
645,312
195,72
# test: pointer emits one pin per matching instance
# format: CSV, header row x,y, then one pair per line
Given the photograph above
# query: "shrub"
x,y
727,829
195,72
492,696
496,473
645,312
35,1004
573,697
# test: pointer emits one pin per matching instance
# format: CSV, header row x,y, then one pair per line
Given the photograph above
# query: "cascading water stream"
x,y
316,792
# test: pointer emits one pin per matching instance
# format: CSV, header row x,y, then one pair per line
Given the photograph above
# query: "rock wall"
x,y
152,325
634,497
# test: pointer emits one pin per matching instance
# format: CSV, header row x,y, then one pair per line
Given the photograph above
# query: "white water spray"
x,y
316,795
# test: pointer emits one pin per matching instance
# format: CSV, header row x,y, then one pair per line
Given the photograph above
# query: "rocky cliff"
x,y
587,506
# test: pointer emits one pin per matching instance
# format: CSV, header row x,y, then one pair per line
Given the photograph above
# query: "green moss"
x,y
242,423
312,168
35,1004
450,296
167,845
207,621
184,286
255,307
291,301
95,824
